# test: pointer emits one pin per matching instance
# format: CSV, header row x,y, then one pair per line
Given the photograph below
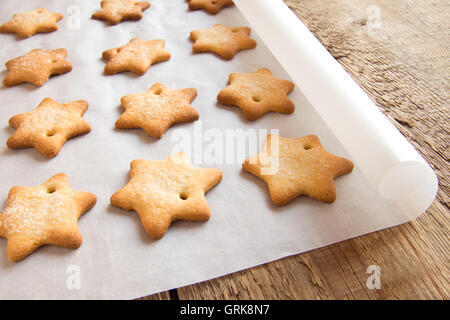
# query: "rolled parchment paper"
x,y
382,153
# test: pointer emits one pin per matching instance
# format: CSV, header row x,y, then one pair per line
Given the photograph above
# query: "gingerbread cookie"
x,y
157,109
211,6
29,23
137,56
257,93
45,214
165,191
36,67
49,126
116,11
222,40
295,167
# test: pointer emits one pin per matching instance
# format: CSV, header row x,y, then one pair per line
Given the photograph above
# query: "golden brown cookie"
x,y
45,214
295,167
116,11
222,40
49,126
211,6
29,23
166,190
137,56
36,67
157,109
257,93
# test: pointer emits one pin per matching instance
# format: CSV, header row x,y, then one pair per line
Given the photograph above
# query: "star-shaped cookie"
x,y
211,6
157,109
137,56
116,11
49,126
36,67
29,23
257,93
167,190
45,214
222,40
295,167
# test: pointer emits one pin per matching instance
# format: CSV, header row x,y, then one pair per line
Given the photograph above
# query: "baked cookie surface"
x,y
223,40
49,126
116,11
211,6
167,190
157,109
257,93
29,23
295,167
36,67
45,214
136,56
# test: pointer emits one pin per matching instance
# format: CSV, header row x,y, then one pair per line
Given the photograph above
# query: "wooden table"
x,y
398,52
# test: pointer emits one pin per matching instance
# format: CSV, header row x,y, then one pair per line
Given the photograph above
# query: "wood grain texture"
x,y
165,295
398,52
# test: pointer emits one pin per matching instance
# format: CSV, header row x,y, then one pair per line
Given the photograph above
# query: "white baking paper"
x,y
117,258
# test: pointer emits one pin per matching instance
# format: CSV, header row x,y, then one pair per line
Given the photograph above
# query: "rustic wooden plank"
x,y
403,66
165,295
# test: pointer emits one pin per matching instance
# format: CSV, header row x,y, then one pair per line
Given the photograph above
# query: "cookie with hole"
x,y
257,93
46,214
116,11
157,109
222,40
137,56
293,167
36,67
31,22
210,6
163,191
49,126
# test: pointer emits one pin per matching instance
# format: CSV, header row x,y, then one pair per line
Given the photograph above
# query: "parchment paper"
x,y
117,258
